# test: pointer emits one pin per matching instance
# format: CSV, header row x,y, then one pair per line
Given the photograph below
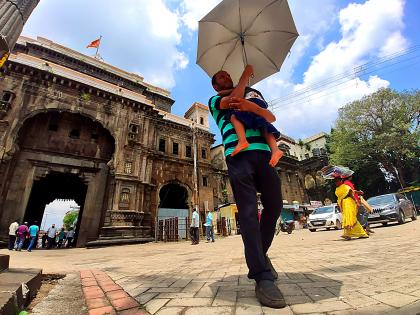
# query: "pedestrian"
x,y
21,233
194,228
348,205
12,234
209,227
362,212
250,172
61,237
51,234
70,237
33,234
44,240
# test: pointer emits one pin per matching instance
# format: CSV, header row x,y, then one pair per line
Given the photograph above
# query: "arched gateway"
x,y
73,127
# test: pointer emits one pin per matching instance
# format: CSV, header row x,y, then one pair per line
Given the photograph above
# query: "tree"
x,y
70,218
380,131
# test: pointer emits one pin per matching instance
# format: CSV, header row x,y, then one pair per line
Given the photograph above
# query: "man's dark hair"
x,y
213,78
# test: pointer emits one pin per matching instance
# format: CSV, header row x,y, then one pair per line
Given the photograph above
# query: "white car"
x,y
325,217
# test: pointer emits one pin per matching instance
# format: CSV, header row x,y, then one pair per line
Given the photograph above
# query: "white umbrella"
x,y
240,32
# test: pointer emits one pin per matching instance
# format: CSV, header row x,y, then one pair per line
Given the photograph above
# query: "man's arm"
x,y
240,104
239,90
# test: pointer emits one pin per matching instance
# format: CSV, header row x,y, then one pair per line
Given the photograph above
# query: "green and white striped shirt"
x,y
230,139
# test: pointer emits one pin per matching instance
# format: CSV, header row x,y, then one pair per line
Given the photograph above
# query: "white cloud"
x,y
368,30
141,36
193,10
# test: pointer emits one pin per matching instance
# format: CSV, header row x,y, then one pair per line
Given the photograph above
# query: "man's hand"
x,y
244,105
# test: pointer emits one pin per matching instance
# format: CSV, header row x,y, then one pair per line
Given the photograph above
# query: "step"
x,y
4,262
17,288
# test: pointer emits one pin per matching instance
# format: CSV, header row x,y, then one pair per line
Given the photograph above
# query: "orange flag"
x,y
95,43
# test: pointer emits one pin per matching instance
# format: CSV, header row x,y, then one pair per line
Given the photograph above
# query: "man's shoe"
x,y
269,294
270,266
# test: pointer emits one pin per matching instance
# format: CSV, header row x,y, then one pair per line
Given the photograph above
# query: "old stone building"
x,y
73,127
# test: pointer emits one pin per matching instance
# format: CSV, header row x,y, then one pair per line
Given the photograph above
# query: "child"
x,y
240,119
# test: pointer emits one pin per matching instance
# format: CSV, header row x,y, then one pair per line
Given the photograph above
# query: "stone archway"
x,y
174,196
53,186
55,148
174,200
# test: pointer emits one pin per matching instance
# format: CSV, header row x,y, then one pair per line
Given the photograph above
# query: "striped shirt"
x,y
230,139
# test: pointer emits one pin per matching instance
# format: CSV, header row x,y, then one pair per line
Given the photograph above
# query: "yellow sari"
x,y
348,206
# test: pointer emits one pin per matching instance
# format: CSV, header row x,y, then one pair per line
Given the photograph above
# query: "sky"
x,y
55,211
346,49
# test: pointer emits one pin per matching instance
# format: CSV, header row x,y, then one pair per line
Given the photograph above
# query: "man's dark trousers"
x,y
12,240
249,173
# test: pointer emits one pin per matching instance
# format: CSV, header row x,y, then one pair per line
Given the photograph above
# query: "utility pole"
x,y
14,14
195,175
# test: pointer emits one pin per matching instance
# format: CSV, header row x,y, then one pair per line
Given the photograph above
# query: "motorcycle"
x,y
285,226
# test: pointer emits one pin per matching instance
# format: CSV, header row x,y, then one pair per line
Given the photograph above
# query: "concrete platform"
x,y
4,262
17,286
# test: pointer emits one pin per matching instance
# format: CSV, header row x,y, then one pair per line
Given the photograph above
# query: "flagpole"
x,y
97,48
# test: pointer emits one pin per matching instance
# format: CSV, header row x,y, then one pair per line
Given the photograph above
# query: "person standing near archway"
x,y
51,235
33,235
12,234
195,226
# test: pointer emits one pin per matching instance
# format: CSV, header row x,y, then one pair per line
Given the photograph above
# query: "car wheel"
x,y
328,229
338,225
384,223
312,230
401,217
414,217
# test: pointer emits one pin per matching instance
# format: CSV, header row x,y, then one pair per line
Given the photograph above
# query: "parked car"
x,y
325,217
390,208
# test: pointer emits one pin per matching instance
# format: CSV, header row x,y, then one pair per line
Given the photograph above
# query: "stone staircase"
x,y
17,287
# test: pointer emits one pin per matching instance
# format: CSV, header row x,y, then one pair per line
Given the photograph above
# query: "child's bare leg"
x,y
240,132
276,153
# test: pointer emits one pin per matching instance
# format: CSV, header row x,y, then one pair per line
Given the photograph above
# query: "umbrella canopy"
x,y
240,32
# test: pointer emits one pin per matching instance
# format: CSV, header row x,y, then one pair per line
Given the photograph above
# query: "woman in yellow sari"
x,y
348,207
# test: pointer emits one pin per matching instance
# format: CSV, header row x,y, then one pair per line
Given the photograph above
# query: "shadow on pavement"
x,y
297,288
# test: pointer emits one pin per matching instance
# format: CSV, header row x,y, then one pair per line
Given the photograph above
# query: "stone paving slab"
x,y
318,274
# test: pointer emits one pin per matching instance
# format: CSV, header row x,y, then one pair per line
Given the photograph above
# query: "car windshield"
x,y
381,200
322,210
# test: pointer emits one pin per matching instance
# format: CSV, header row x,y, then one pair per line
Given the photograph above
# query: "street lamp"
x,y
14,14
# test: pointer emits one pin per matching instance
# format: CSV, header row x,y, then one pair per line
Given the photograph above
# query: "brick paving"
x,y
104,297
318,273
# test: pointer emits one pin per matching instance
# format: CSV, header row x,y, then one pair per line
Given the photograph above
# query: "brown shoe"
x,y
269,294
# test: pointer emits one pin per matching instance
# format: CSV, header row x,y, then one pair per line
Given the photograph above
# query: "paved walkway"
x,y
319,273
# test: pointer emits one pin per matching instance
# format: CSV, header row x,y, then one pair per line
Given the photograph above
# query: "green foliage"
x,y
70,218
379,132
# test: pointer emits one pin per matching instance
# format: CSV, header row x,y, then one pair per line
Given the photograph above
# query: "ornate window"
x,y
74,134
125,197
205,181
6,102
162,145
188,152
133,131
204,153
201,120
128,167
175,148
